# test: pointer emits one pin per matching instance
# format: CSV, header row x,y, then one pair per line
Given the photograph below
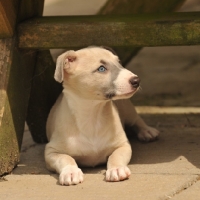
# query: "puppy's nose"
x,y
135,81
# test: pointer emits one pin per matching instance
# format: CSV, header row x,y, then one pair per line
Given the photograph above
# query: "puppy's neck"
x,y
91,116
82,105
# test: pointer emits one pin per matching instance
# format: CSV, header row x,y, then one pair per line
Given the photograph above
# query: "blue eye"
x,y
101,69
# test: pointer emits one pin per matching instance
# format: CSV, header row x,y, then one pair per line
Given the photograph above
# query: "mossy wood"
x,y
135,30
16,71
135,7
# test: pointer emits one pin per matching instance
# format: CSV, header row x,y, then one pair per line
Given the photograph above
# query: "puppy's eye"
x,y
101,69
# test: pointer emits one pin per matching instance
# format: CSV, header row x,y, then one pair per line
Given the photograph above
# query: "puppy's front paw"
x,y
118,174
71,175
148,134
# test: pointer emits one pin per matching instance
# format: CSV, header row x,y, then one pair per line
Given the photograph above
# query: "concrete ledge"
x,y
167,110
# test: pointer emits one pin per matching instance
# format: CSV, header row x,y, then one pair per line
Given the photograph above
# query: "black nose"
x,y
135,81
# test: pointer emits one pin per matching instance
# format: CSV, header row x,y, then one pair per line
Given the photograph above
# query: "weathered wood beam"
x,y
142,6
16,72
8,17
44,92
133,30
30,8
135,7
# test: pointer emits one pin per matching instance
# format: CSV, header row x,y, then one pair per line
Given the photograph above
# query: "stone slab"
x,y
139,186
160,170
192,193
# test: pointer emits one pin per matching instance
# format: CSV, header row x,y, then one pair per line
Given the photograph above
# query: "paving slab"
x,y
160,170
175,151
191,193
142,187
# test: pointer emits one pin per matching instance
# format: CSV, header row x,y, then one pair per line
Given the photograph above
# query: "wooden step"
x,y
16,74
127,30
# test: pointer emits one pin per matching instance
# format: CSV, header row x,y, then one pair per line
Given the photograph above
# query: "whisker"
x,y
139,89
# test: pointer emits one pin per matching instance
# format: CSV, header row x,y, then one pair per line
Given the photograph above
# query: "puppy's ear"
x,y
63,63
109,49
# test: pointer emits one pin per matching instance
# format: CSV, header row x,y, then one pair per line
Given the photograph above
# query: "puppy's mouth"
x,y
113,95
110,95
127,95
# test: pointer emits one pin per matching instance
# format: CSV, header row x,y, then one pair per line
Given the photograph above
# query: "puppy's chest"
x,y
82,145
90,139
90,146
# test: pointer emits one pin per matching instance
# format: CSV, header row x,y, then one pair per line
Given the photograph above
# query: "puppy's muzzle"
x,y
135,82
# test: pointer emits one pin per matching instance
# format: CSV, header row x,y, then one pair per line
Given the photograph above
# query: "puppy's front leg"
x,y
65,166
117,169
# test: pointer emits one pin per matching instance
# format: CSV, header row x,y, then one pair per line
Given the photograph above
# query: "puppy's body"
x,y
91,138
85,126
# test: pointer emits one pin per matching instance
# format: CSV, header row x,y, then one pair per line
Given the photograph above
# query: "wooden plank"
x,y
16,71
8,17
41,97
133,30
44,92
30,8
136,7
142,6
15,84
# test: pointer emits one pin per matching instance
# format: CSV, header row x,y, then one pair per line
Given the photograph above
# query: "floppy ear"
x,y
110,49
63,62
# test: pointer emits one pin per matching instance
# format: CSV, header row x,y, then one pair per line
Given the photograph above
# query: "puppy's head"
x,y
95,73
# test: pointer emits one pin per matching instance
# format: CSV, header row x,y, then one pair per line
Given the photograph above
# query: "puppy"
x,y
86,125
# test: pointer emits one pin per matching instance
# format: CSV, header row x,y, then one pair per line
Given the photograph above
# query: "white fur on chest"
x,y
89,150
93,135
81,145
93,128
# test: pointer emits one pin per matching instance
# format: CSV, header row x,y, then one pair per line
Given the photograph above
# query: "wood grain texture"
x,y
142,6
15,79
16,71
8,17
30,8
125,31
8,142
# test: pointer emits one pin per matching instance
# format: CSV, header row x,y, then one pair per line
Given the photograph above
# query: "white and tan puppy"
x,y
86,125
